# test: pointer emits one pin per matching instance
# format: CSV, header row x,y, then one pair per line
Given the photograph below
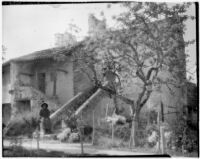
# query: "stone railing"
x,y
22,93
31,93
71,106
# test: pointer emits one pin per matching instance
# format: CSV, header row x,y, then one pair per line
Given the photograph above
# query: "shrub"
x,y
74,137
152,135
183,136
23,124
103,130
64,135
106,142
123,132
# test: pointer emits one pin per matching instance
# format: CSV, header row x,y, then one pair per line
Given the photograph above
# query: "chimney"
x,y
64,40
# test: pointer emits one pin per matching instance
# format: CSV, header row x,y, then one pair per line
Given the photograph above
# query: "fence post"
x,y
93,128
81,138
158,121
112,133
38,139
81,133
106,110
162,140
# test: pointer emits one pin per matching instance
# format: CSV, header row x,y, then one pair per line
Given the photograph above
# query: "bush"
x,y
183,136
74,137
104,130
64,135
123,132
23,124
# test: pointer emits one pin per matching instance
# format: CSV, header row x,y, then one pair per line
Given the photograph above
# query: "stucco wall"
x,y
64,79
6,84
22,73
99,107
6,113
80,79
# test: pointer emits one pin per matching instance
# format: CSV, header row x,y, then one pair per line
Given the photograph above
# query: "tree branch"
x,y
125,99
150,72
146,99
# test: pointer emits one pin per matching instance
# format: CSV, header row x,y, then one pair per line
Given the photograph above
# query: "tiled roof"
x,y
45,54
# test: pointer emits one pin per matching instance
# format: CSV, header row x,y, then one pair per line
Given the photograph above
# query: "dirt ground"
x,y
69,148
52,148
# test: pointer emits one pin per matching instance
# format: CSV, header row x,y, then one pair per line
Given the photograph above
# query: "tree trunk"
x,y
133,139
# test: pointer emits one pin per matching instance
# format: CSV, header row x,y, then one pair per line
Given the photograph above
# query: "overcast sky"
x,y
29,28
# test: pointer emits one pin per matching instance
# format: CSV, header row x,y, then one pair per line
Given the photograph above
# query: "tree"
x,y
148,42
3,53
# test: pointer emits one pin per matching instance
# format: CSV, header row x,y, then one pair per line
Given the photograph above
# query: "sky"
x,y
29,28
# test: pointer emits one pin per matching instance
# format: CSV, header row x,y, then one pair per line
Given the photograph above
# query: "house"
x,y
31,79
53,76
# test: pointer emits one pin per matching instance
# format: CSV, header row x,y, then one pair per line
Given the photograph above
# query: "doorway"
x,y
23,106
41,82
6,112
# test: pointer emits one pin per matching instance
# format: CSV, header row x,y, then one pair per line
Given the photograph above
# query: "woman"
x,y
45,123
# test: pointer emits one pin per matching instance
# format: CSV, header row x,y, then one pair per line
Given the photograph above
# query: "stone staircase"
x,y
40,96
74,107
36,96
70,107
77,104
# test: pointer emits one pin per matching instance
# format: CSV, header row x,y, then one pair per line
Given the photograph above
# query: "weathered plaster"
x,y
6,85
64,79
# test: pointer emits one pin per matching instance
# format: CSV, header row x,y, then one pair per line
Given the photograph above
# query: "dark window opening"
x,y
41,82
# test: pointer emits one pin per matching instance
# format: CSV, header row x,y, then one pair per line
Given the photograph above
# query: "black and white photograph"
x,y
100,79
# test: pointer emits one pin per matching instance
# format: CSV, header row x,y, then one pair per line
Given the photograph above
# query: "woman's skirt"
x,y
45,125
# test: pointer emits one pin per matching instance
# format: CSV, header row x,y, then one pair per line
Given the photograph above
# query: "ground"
x,y
70,149
52,148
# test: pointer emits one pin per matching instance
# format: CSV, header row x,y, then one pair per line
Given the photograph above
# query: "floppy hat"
x,y
44,104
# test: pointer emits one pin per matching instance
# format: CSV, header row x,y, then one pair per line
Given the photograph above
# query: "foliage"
x,y
183,136
23,124
74,137
123,132
152,132
64,135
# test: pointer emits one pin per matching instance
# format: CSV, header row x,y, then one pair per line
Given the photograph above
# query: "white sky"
x,y
29,28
